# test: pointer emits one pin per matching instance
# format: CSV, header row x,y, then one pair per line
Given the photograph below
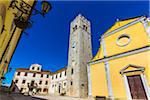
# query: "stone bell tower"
x,y
80,52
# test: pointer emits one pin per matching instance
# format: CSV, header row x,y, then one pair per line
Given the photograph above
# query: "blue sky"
x,y
47,42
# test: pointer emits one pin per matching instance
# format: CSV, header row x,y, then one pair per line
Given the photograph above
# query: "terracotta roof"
x,y
31,71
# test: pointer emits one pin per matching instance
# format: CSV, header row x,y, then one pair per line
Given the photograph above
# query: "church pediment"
x,y
131,68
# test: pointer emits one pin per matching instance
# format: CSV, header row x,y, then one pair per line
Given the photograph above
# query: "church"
x,y
121,67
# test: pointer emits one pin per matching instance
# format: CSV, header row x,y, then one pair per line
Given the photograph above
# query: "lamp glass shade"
x,y
46,6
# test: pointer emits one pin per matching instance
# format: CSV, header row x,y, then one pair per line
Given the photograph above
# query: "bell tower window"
x,y
75,28
85,27
71,71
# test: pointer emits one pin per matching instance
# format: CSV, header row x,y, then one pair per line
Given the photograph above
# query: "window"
x,y
45,90
52,77
72,71
65,84
16,81
123,40
85,27
21,89
75,28
40,82
60,74
18,73
56,76
52,85
46,82
39,90
23,81
34,74
47,76
38,68
25,74
41,75
65,73
71,83
32,83
32,68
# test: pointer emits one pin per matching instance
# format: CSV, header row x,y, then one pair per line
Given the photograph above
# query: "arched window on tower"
x,y
75,28
85,27
72,71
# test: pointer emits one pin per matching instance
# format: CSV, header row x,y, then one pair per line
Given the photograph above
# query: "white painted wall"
x,y
55,82
29,78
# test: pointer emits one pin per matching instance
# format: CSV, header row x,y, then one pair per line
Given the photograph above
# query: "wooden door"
x,y
136,87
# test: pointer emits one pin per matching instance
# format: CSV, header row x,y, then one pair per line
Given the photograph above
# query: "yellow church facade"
x,y
121,67
9,31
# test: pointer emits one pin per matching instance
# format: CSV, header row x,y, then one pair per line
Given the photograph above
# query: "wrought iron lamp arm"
x,y
23,7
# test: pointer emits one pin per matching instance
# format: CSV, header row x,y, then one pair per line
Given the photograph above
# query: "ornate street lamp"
x,y
25,9
46,6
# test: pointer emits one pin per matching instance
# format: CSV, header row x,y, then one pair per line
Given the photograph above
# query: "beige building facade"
x,y
34,78
58,83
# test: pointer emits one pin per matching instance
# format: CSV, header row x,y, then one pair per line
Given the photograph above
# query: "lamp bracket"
x,y
21,6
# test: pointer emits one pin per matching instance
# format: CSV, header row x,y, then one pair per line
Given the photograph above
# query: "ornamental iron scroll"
x,y
21,6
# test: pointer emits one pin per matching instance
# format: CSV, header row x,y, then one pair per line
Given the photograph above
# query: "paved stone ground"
x,y
52,97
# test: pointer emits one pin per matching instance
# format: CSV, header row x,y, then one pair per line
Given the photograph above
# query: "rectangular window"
x,y
16,81
41,75
47,76
25,74
72,71
56,76
34,75
52,77
32,83
65,84
46,82
71,83
18,73
60,74
65,73
40,82
38,68
21,89
32,68
23,81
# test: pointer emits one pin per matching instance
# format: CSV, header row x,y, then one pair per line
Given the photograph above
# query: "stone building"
x,y
80,52
72,80
58,83
32,78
